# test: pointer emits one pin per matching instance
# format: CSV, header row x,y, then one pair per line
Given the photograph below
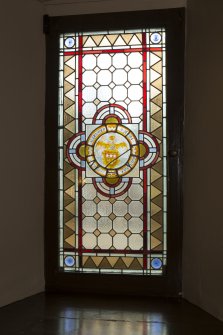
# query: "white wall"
x,y
22,150
203,222
55,7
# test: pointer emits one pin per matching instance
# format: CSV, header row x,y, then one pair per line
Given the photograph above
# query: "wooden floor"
x,y
70,315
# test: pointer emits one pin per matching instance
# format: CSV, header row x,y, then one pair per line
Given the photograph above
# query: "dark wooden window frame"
x,y
169,284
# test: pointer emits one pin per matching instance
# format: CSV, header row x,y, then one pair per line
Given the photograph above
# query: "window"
x,y
113,134
112,145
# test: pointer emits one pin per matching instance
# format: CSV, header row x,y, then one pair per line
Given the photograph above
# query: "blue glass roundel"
x,y
156,263
156,38
69,261
69,42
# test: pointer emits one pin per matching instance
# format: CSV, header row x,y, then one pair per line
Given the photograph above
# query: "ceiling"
x,y
68,1
79,1
64,7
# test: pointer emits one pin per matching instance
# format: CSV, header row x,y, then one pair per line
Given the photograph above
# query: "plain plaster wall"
x,y
22,150
203,223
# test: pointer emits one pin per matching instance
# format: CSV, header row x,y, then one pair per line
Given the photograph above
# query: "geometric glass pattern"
x,y
112,152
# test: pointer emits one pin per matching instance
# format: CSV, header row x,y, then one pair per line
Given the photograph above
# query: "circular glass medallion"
x,y
112,150
156,38
156,263
69,42
69,261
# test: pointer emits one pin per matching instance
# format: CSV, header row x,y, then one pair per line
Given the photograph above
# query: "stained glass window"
x,y
112,152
